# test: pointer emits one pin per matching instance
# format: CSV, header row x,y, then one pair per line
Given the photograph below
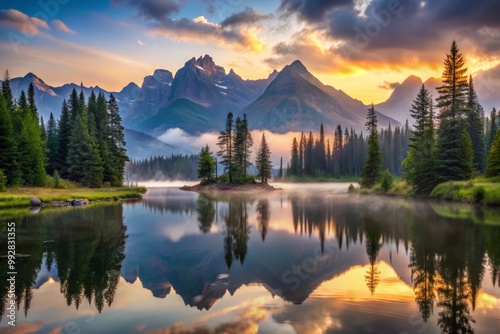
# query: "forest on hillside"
x,y
86,145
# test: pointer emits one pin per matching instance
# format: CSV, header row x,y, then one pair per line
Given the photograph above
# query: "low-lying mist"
x,y
166,184
279,144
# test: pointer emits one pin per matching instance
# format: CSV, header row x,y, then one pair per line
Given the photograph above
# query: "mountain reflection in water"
x,y
293,261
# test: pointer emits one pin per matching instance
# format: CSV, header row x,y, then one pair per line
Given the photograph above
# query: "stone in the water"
x,y
35,202
80,202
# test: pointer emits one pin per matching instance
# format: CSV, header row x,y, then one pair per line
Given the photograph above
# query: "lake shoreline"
x,y
49,197
226,187
475,192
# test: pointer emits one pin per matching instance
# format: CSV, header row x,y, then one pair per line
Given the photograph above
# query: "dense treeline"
x,y
345,154
86,145
175,167
453,144
452,140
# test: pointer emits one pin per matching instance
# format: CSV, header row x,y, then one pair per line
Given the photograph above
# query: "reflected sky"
x,y
301,260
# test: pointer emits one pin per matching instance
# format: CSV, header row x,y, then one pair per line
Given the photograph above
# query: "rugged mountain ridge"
x,y
298,101
200,94
49,99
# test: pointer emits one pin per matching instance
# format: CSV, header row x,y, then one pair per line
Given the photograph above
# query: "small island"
x,y
235,143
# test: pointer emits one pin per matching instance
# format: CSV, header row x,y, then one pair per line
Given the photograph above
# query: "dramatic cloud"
x,y
393,34
203,31
246,17
157,10
312,10
12,18
200,30
59,25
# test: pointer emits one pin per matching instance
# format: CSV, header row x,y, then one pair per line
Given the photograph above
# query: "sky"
x,y
363,47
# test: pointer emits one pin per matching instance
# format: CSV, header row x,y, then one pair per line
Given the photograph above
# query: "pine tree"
x,y
225,143
280,171
420,162
206,166
454,145
42,128
295,159
475,117
242,144
372,168
309,156
85,164
52,144
9,156
7,92
31,99
92,115
116,143
493,128
74,108
320,150
31,145
102,134
302,146
263,161
493,165
63,136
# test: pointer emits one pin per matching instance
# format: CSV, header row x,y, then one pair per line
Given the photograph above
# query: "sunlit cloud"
x,y
106,70
12,18
200,30
61,26
140,42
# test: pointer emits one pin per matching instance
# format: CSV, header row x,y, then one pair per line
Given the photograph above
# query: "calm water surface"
x,y
308,259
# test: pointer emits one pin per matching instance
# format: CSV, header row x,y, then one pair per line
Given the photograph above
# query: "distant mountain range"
x,y
486,84
199,96
399,103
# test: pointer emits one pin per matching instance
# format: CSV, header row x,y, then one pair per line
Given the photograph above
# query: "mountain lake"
x,y
306,259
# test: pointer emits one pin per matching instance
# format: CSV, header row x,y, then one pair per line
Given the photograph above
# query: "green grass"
x,y
479,191
399,188
20,197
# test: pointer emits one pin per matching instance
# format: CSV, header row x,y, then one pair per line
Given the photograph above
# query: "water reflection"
x,y
82,249
300,247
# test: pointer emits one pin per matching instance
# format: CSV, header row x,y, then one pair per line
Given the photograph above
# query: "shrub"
x,y
387,181
351,188
224,178
478,195
57,180
3,181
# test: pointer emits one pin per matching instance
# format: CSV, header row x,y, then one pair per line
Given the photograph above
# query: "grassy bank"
x,y
483,191
398,188
478,191
20,197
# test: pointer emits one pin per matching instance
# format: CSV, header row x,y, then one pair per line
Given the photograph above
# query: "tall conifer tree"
x,y
372,168
263,161
454,145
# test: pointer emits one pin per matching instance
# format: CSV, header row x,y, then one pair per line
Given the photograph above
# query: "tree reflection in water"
x,y
86,244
